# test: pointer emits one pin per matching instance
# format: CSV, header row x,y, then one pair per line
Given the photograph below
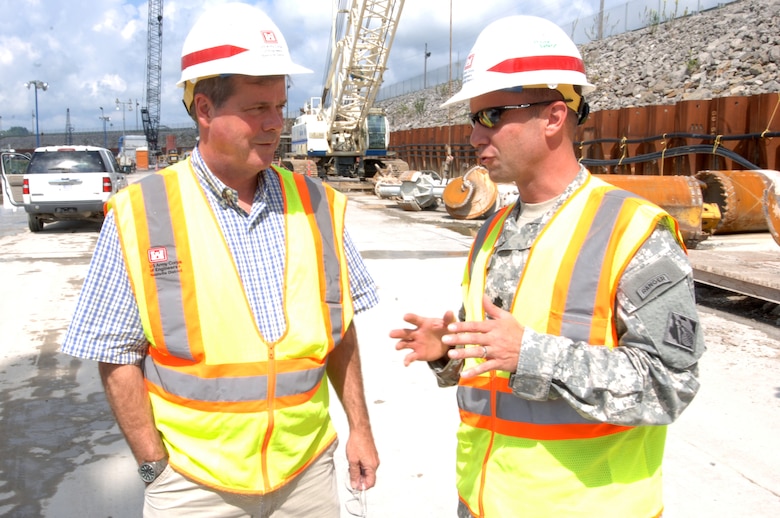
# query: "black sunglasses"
x,y
489,117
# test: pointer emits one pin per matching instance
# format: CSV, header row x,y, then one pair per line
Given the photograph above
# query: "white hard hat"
x,y
521,51
235,38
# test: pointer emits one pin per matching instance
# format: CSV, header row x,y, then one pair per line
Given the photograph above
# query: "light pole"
x,y
287,105
125,105
105,119
43,86
425,67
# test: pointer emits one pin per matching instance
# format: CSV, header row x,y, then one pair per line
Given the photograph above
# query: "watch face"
x,y
147,472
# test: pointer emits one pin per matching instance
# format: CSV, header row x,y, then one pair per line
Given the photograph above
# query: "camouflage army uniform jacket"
x,y
648,380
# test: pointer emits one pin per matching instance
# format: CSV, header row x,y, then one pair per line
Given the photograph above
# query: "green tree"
x,y
16,131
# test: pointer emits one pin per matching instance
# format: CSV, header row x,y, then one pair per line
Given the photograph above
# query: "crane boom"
x,y
358,63
150,114
343,126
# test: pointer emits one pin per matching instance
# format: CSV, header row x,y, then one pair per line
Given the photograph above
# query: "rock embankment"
x,y
732,50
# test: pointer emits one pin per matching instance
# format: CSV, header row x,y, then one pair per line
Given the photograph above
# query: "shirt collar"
x,y
227,197
579,180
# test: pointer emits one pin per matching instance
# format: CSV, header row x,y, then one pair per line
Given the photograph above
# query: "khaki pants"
x,y
312,493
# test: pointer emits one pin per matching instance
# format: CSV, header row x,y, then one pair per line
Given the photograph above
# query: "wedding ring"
x,y
484,351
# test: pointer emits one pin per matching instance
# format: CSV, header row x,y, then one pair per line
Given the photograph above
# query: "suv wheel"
x,y
35,224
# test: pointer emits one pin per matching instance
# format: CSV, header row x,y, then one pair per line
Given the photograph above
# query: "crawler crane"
x,y
341,132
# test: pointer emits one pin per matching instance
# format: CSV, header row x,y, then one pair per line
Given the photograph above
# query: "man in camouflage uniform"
x,y
570,366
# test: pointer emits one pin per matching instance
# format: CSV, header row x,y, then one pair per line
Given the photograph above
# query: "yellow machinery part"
x,y
710,217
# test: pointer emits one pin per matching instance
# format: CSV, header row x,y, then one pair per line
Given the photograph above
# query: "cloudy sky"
x,y
91,52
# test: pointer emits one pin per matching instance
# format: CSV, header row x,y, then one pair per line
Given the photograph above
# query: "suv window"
x,y
63,161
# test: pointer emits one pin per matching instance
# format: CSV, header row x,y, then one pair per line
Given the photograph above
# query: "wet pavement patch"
x,y
48,433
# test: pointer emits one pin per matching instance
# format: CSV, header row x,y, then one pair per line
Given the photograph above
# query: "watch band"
x,y
149,471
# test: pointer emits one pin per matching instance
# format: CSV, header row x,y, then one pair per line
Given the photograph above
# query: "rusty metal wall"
x,y
607,133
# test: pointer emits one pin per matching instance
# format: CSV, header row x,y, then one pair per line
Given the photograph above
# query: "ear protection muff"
x,y
582,112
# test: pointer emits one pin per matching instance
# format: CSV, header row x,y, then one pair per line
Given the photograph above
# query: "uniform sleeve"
x,y
106,324
447,371
652,376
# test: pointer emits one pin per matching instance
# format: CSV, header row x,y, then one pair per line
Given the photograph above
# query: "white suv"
x,y
69,182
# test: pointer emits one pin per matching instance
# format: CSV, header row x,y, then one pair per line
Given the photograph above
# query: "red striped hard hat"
x,y
235,38
521,51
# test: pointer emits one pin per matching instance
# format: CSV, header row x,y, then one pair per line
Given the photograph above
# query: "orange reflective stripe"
x,y
550,432
235,407
240,393
482,237
491,405
236,369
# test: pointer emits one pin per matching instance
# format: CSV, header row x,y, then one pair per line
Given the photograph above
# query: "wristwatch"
x,y
149,471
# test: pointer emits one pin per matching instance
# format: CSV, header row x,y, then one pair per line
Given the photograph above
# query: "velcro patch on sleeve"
x,y
648,287
652,281
681,332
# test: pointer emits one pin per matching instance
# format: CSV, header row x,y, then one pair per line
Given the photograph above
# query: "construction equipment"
x,y
472,195
172,156
772,203
413,190
711,202
150,114
341,131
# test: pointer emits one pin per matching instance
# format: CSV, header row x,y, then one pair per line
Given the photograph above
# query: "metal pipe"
x,y
680,196
739,196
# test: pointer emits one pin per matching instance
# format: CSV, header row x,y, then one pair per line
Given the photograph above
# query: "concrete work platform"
x,y
745,263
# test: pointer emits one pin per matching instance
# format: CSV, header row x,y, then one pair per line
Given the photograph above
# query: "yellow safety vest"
x,y
235,411
518,457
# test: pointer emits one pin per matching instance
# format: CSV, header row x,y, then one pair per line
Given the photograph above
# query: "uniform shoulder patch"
x,y
651,284
681,332
650,281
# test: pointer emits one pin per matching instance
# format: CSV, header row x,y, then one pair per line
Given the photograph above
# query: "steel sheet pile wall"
x,y
747,126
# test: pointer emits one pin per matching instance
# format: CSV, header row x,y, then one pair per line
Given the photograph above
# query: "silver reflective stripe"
x,y
581,298
476,401
230,390
169,291
330,260
518,410
552,411
299,382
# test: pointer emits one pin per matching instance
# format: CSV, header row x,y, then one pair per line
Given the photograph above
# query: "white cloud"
x,y
93,51
15,49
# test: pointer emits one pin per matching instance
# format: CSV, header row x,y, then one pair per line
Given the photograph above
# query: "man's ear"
x,y
202,108
558,113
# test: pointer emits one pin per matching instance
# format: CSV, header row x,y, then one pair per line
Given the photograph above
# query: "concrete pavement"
x,y
61,455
